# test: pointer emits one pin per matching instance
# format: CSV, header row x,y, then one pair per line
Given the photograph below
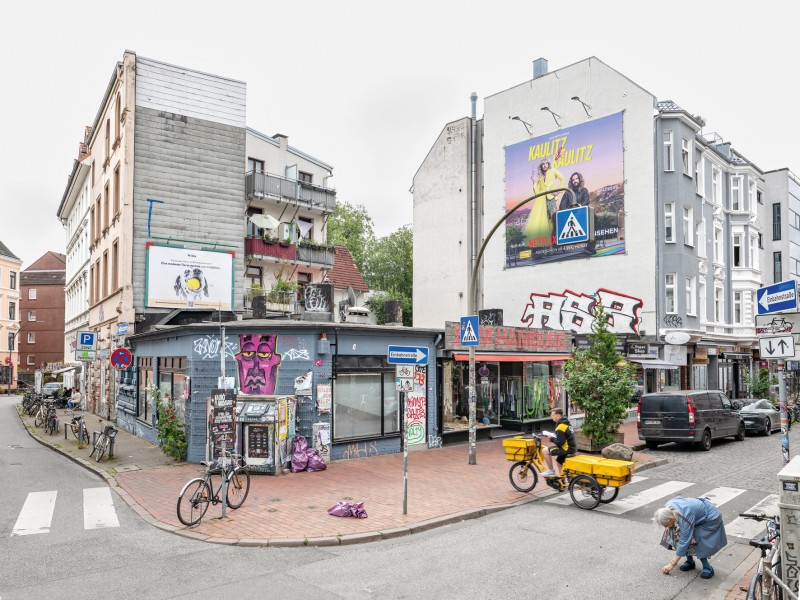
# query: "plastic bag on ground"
x,y
348,509
315,460
299,454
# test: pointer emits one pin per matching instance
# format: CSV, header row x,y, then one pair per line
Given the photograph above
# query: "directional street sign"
x,y
779,346
408,355
87,340
573,225
777,297
470,332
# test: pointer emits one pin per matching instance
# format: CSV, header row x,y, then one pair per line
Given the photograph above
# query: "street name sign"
x,y
779,346
408,355
87,340
470,331
122,329
777,297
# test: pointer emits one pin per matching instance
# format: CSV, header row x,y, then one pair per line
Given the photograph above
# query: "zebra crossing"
x,y
36,515
642,496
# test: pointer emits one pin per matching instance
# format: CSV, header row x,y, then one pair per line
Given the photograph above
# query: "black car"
x,y
761,416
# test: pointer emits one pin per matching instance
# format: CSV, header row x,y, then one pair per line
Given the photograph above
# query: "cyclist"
x,y
563,443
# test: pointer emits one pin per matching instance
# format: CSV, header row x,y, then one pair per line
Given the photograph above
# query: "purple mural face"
x,y
258,363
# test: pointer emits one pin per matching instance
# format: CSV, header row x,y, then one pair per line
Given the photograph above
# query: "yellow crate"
x,y
613,482
607,469
519,448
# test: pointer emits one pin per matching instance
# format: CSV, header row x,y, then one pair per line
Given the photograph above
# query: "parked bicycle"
x,y
78,426
103,442
40,418
766,582
196,495
51,423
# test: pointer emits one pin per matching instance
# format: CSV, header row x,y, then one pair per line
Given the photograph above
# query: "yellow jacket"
x,y
547,183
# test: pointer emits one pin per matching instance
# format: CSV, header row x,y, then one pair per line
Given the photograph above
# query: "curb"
x,y
651,464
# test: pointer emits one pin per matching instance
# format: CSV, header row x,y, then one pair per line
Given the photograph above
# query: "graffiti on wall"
x,y
575,312
294,347
258,363
360,450
318,297
208,347
673,321
416,404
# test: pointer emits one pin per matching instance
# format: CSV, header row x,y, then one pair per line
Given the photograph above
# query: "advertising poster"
x,y
189,279
586,158
221,421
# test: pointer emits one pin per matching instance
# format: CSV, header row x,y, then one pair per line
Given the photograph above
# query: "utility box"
x,y
789,505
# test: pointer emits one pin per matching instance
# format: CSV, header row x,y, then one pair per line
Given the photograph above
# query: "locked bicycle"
x,y
103,442
766,582
78,426
591,480
198,493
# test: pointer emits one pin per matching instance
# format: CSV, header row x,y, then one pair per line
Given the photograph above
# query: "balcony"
x,y
263,185
315,255
259,249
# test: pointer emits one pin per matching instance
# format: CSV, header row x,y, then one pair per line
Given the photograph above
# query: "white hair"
x,y
664,516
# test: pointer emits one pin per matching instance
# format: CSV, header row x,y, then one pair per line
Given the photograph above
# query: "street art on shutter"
x,y
258,363
571,311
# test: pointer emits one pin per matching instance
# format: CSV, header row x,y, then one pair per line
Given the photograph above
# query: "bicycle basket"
x,y
519,448
111,432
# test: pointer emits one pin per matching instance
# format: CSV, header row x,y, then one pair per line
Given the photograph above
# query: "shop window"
x,y
145,379
365,405
172,383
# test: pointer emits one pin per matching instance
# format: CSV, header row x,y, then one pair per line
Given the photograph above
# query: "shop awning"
x,y
65,369
654,363
512,357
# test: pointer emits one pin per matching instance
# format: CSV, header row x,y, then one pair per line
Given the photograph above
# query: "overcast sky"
x,y
368,86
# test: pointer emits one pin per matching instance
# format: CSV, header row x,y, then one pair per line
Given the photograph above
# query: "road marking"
x,y
721,495
36,514
747,529
98,509
647,496
565,499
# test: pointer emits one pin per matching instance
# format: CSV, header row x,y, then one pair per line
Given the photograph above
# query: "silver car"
x,y
761,416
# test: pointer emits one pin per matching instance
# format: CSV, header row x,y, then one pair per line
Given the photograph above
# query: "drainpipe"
x,y
473,189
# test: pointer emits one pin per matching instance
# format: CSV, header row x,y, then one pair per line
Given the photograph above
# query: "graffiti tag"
x,y
294,354
434,441
360,450
673,321
316,299
575,312
208,347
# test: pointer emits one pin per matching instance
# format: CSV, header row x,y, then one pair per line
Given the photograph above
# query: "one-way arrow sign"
x,y
407,355
779,346
777,297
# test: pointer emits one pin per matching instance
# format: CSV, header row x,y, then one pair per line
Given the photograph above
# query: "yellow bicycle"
x,y
591,480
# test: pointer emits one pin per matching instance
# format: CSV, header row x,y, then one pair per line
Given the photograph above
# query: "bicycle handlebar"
x,y
758,516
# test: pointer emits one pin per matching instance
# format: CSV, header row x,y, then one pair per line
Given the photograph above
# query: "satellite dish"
x,y
351,296
677,337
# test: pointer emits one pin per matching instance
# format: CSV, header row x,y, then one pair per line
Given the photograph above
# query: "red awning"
x,y
512,357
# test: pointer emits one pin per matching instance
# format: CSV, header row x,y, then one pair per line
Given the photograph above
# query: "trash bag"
x,y
299,454
348,509
315,460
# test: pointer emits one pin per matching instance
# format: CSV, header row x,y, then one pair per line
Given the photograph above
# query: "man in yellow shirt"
x,y
563,443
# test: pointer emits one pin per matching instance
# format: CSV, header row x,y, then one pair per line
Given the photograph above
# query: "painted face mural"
x,y
258,363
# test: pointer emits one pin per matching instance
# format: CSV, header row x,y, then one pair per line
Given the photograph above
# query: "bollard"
x,y
111,448
789,505
65,431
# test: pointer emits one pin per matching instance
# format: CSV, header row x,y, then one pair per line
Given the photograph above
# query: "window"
x,y
699,177
703,301
751,186
760,241
92,224
106,207
669,291
11,341
690,297
736,193
668,165
115,266
92,172
776,221
97,276
145,379
717,243
719,305
31,360
777,267
105,274
701,238
172,382
794,219
12,311
737,308
716,189
737,250
97,216
116,190
31,337
306,177
365,404
686,156
306,227
117,116
759,199
753,253
31,315
91,285
31,293
12,280
668,222
108,141
255,165
688,226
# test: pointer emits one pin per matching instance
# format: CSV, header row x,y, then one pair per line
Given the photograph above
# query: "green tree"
x,y
599,382
351,226
389,269
758,380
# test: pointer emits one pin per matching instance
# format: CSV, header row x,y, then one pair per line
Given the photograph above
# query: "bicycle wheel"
x,y
193,501
754,590
608,494
238,488
84,433
523,476
585,492
39,420
100,448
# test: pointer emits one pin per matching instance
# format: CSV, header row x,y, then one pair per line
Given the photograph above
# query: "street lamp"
x,y
471,309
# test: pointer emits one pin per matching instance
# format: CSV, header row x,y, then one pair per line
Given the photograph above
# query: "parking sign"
x,y
87,340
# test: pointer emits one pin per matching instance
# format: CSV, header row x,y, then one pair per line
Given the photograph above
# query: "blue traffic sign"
x,y
87,340
777,297
470,332
408,355
572,225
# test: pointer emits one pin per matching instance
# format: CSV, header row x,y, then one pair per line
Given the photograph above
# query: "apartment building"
x,y
9,317
781,218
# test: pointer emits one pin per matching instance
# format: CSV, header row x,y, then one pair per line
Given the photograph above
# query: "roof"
x,y
271,140
670,106
345,272
4,251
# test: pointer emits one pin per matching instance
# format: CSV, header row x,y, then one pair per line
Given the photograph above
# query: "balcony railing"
x,y
314,255
263,185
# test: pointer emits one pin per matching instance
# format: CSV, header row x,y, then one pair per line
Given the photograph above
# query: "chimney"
x,y
282,139
539,67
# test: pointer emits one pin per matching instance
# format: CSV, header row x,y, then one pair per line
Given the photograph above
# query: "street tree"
x,y
389,269
352,226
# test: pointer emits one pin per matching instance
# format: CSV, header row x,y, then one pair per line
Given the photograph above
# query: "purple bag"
x,y
299,454
315,460
348,509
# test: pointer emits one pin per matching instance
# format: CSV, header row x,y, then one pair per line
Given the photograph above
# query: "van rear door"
x,y
664,416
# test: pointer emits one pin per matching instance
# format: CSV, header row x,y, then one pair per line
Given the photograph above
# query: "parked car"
x,y
52,389
689,416
761,416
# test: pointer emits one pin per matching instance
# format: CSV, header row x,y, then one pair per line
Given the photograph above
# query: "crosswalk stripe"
x,y
36,514
565,499
747,529
721,495
98,509
647,496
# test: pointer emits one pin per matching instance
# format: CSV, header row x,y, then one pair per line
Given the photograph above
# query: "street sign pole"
x,y
405,452
784,418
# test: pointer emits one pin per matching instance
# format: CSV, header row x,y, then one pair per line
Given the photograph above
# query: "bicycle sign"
x,y
121,359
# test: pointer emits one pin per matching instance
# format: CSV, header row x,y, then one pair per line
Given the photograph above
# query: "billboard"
x,y
586,158
188,279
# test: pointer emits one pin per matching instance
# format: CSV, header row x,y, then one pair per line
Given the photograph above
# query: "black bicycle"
x,y
766,582
198,493
51,424
78,427
103,442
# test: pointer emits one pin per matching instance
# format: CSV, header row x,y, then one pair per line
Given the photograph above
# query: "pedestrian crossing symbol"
x,y
470,334
572,225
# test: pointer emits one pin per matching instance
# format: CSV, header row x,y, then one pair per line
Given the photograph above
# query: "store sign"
x,y
701,353
511,339
637,349
582,342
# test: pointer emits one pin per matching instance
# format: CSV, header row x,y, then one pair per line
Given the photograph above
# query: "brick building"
x,y
41,337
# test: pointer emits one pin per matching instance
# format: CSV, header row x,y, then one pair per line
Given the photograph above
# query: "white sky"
x,y
368,86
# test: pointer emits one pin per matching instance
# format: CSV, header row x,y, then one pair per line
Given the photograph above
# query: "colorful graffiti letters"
x,y
575,312
258,363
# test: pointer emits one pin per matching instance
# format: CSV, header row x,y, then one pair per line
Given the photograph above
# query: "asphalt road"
x,y
539,549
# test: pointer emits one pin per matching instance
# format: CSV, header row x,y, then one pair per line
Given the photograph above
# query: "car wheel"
x,y
705,441
767,427
739,437
651,444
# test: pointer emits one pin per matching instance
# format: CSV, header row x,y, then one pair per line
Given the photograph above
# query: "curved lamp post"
x,y
471,310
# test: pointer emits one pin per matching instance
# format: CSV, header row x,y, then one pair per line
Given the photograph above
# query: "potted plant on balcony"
x,y
282,291
599,382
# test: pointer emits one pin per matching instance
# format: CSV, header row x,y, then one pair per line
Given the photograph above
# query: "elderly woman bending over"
x,y
699,531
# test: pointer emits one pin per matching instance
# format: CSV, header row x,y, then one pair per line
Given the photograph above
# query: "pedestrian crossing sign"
x,y
470,334
574,225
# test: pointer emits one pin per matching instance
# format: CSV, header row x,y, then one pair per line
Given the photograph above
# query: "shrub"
x,y
170,429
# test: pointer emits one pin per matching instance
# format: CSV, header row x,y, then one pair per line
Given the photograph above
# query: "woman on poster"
x,y
540,220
